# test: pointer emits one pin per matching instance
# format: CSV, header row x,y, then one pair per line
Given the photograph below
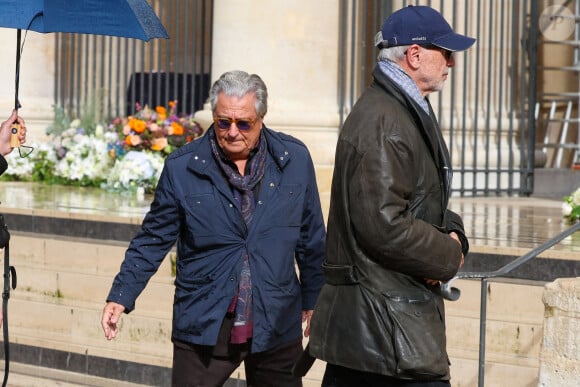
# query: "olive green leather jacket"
x,y
387,232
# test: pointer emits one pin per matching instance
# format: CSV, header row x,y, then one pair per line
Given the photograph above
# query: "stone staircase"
x,y
55,311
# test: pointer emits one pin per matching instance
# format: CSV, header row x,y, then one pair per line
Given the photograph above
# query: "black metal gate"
x,y
486,108
107,76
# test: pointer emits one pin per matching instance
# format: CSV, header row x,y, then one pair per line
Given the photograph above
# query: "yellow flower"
x,y
158,144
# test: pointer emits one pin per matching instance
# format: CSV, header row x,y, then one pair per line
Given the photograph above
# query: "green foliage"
x,y
89,118
60,123
571,207
43,169
90,115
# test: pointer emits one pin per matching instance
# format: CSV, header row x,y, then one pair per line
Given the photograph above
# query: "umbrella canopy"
x,y
122,18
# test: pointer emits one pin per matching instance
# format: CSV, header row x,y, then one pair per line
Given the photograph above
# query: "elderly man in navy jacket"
x,y
242,204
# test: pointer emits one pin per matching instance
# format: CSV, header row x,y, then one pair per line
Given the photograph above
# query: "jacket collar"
x,y
202,157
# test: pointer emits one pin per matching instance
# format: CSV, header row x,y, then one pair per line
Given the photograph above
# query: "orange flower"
x,y
158,144
133,140
176,129
161,112
138,126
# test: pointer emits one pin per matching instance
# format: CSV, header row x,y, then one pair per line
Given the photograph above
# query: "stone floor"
x,y
493,224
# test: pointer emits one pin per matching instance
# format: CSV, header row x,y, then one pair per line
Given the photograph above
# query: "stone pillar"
x,y
36,91
560,353
293,47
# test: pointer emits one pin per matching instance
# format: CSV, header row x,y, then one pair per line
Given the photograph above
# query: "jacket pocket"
x,y
289,204
418,336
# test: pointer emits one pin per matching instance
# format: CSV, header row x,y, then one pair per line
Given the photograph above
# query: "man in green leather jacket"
x,y
391,241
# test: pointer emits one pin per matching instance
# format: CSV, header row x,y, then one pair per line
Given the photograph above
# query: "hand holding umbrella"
x,y
12,133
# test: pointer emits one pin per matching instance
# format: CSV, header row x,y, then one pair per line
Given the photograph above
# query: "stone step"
x,y
72,295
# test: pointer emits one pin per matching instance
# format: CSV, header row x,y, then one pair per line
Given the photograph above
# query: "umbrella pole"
x,y
15,129
17,80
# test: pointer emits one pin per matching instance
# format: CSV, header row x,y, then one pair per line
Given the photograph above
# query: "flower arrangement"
x,y
155,130
125,155
571,207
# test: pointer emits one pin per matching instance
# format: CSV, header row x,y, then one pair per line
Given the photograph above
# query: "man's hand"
x,y
306,316
110,320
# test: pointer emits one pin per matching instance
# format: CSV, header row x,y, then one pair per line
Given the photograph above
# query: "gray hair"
x,y
238,83
393,54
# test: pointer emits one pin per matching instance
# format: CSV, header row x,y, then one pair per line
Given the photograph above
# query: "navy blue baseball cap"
x,y
419,24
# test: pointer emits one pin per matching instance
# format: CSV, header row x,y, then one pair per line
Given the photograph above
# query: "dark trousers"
x,y
337,376
198,366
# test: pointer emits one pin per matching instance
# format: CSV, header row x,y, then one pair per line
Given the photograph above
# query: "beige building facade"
x,y
294,46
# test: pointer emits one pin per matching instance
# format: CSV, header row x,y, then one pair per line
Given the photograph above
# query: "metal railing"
x,y
453,293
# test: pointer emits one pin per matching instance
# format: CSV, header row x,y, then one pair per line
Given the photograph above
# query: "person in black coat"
x,y
391,240
6,146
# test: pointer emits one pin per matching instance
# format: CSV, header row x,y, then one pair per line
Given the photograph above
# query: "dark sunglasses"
x,y
446,53
224,123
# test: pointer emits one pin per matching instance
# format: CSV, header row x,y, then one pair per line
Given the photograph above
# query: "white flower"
x,y
571,207
110,137
576,197
99,131
86,159
75,123
136,169
566,209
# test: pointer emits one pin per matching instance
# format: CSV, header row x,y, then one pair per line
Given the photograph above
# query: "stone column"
x,y
36,91
293,47
560,353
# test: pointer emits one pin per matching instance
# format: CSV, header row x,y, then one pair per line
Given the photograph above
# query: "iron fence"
x,y
484,110
107,76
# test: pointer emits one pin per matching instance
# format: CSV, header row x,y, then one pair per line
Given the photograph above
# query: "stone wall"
x,y
560,353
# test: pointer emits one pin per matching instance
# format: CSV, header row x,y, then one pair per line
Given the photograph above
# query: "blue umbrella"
x,y
123,18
